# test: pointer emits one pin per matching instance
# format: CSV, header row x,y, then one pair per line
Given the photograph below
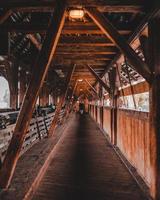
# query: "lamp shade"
x,y
76,14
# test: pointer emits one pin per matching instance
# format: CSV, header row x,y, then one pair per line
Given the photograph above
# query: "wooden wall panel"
x,y
133,137
107,120
133,140
95,113
138,88
98,115
101,116
92,111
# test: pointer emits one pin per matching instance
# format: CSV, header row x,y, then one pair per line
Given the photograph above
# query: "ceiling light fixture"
x,y
76,13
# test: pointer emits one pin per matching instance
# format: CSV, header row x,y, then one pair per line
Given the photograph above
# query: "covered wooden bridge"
x,y
63,56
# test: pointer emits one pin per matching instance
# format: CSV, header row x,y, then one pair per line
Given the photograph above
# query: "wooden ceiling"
x,y
81,42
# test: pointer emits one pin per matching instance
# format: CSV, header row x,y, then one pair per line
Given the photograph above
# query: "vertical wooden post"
x,y
40,70
70,104
113,94
22,91
145,47
12,77
44,95
114,120
37,125
131,86
60,104
154,44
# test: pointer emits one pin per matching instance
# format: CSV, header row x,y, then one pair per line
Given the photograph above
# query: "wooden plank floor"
x,y
85,167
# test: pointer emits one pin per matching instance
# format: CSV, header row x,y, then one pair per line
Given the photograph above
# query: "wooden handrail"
x,y
36,131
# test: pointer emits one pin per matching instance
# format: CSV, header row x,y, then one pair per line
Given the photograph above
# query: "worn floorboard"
x,y
85,167
30,163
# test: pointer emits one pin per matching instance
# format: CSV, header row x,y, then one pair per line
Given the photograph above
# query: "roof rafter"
x,y
110,31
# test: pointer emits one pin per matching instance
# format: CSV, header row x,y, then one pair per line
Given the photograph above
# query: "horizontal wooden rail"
x,y
132,136
37,130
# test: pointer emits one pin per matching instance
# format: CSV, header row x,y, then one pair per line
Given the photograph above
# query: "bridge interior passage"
x,y
85,166
97,57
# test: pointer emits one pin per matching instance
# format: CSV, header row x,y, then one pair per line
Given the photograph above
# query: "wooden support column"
x,y
22,90
70,104
60,104
98,79
113,95
154,44
110,31
40,70
44,95
145,47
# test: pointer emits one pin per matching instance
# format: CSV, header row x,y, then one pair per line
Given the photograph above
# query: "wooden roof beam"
x,y
81,53
47,6
83,58
87,40
95,57
80,62
40,70
5,16
110,31
42,28
71,41
38,46
142,29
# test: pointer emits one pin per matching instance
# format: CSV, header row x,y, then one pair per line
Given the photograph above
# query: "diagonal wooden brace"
x,y
98,78
111,32
40,70
60,104
93,89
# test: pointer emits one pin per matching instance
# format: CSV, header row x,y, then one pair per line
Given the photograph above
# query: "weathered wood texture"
x,y
133,140
30,166
133,137
40,71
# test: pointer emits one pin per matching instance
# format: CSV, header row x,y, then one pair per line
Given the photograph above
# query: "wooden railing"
x,y
132,136
133,140
38,129
107,120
